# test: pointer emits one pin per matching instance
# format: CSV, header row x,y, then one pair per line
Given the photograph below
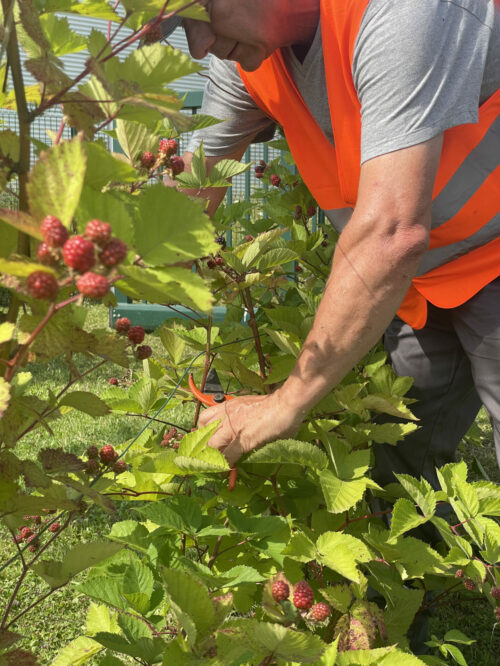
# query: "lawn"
x,y
55,622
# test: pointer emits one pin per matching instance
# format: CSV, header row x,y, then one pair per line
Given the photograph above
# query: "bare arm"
x,y
375,260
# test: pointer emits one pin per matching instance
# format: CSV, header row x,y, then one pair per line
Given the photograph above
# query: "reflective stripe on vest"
x,y
464,249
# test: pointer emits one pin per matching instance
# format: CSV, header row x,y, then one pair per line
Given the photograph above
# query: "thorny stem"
x,y
252,322
217,547
278,496
25,568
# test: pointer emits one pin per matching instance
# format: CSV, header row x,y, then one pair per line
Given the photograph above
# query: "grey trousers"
x,y
455,362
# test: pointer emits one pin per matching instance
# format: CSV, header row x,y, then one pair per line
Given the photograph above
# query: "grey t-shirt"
x,y
419,67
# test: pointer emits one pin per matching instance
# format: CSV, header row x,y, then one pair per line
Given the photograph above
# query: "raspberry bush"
x,y
269,563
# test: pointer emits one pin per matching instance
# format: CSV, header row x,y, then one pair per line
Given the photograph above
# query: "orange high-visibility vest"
x,y
464,250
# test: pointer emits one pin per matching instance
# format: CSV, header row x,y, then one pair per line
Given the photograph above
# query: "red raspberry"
x,y
263,163
92,285
97,231
54,232
469,584
108,454
136,334
55,527
144,351
122,325
459,573
280,590
303,596
259,169
211,263
17,538
113,253
92,452
26,532
298,212
219,261
78,253
92,466
248,238
113,381
42,285
34,543
495,592
320,611
275,180
311,211
119,467
176,164
298,268
259,174
168,147
36,519
46,255
148,159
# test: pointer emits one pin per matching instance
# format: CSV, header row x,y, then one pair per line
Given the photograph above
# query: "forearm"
x,y
370,277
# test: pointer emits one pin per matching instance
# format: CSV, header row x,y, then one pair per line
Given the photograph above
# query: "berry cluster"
x,y
260,168
171,438
302,598
90,258
30,533
136,335
104,459
166,157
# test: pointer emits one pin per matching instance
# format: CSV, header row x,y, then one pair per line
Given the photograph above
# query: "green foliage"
x,y
187,576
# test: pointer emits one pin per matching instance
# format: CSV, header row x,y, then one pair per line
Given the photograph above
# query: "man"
x,y
391,109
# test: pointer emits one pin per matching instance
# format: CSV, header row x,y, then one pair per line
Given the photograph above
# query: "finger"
x,y
211,414
233,453
222,437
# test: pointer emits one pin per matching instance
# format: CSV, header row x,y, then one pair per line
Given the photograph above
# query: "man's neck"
x,y
302,19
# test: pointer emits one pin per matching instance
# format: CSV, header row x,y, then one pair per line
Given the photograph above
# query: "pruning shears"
x,y
214,396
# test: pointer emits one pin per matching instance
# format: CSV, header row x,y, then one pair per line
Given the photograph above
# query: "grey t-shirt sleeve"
x,y
226,98
418,68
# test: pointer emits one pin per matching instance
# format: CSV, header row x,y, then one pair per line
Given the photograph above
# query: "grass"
x,y
55,622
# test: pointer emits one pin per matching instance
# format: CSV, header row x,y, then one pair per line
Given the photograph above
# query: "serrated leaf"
x,y
341,495
334,550
78,652
100,618
62,39
275,257
190,603
102,168
300,548
290,452
86,402
179,513
56,181
134,139
56,461
405,518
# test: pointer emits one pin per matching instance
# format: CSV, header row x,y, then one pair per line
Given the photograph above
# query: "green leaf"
x,y
190,603
4,396
102,168
8,638
456,654
79,651
180,513
138,586
99,618
341,552
173,344
420,492
404,518
458,637
300,548
62,39
86,402
56,181
339,596
387,404
290,452
274,639
225,169
161,238
102,588
275,257
7,332
134,139
341,495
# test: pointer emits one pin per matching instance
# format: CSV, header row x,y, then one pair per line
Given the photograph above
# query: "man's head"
x,y
248,31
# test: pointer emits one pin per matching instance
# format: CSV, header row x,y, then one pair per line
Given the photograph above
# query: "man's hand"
x,y
249,422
